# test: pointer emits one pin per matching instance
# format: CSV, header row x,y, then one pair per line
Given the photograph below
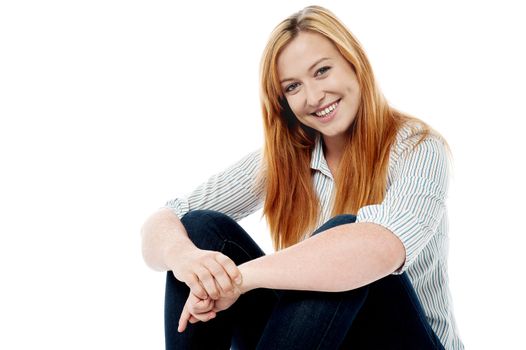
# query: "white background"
x,y
103,104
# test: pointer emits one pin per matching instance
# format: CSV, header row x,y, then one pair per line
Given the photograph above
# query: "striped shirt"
x,y
413,209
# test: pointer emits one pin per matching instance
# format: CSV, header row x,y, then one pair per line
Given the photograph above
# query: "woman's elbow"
x,y
394,252
150,242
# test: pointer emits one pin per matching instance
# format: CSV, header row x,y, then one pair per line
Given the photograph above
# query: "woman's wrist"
x,y
173,253
248,278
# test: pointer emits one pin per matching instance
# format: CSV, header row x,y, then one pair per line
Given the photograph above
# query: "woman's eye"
x,y
322,70
291,87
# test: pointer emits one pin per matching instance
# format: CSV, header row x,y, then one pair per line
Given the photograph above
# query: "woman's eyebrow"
x,y
318,61
310,68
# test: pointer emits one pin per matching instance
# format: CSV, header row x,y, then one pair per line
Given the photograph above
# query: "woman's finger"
x,y
208,282
222,279
230,267
196,288
193,320
183,320
207,316
200,306
195,310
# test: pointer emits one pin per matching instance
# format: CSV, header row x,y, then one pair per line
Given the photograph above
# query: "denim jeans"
x,y
385,314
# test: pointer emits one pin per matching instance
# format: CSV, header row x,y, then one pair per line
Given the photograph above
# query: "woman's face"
x,y
320,86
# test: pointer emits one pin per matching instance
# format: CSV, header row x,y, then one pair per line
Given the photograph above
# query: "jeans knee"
x,y
338,220
203,217
212,230
204,227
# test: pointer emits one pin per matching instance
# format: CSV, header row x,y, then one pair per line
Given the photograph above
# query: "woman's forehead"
x,y
303,52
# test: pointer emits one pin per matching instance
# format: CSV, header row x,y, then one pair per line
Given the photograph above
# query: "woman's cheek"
x,y
295,104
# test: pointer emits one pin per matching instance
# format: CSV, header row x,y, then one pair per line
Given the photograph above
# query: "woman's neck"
x,y
333,149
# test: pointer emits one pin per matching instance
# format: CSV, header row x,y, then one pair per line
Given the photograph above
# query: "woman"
x,y
354,194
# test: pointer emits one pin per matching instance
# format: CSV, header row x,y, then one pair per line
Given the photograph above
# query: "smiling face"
x,y
320,86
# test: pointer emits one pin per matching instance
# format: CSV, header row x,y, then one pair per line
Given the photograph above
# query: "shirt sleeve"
x,y
236,191
414,203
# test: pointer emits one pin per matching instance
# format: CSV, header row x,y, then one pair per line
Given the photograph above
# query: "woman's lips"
x,y
326,114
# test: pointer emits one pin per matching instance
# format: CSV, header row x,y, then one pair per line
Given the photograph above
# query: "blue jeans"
x,y
385,314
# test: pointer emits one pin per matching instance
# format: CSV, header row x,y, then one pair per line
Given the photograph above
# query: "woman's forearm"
x,y
162,235
342,258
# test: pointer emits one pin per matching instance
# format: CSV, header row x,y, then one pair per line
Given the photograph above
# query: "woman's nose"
x,y
314,96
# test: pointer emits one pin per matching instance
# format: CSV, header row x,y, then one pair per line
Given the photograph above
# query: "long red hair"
x,y
291,205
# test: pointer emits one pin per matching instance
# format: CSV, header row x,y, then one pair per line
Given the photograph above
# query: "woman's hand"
x,y
196,309
225,301
208,274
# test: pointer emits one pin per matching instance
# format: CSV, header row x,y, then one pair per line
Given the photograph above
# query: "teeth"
x,y
327,110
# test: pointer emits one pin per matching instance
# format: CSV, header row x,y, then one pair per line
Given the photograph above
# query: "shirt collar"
x,y
317,161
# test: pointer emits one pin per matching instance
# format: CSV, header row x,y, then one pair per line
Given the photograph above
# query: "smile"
x,y
325,111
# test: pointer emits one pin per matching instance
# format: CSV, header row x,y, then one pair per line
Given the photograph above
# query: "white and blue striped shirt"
x,y
413,209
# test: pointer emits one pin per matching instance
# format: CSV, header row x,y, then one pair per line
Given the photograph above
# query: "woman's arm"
x,y
235,191
166,246
162,235
385,238
342,258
